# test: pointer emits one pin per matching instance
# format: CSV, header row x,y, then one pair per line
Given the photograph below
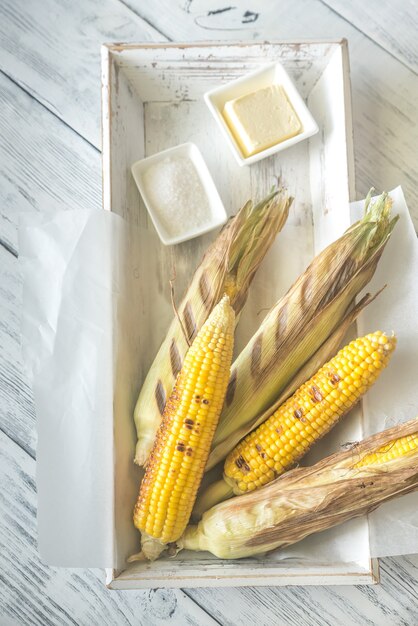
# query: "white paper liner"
x,y
394,526
69,297
75,274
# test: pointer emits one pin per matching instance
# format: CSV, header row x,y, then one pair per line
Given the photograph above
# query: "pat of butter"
x,y
261,119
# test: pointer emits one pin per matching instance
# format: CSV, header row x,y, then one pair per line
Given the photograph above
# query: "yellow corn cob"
x,y
310,413
181,448
299,323
308,500
278,444
393,450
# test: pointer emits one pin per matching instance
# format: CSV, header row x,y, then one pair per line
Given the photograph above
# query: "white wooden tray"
x,y
152,100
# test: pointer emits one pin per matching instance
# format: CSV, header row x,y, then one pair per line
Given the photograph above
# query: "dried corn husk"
x,y
300,322
228,266
329,347
212,492
307,500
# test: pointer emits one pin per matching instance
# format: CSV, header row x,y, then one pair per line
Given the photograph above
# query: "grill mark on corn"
x,y
298,413
230,392
281,323
205,291
334,378
189,321
242,464
175,358
160,396
306,290
256,356
316,394
260,451
348,269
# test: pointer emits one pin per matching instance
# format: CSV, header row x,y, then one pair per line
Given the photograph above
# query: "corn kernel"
x,y
286,436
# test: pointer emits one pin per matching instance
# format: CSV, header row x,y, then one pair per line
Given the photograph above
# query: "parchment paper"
x,y
70,293
76,272
394,526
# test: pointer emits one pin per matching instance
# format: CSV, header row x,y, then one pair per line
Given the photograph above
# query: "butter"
x,y
261,119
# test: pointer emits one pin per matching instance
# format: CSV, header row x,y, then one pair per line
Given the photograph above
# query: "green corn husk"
x,y
219,490
308,500
300,322
228,266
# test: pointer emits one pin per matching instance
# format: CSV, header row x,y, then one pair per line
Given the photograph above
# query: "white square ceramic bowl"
x,y
217,214
272,74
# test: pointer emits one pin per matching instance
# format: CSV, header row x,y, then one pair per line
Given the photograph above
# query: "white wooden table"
x,y
50,158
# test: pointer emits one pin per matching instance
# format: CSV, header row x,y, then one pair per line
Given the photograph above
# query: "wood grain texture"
x,y
45,165
36,594
382,605
384,91
393,25
52,49
17,414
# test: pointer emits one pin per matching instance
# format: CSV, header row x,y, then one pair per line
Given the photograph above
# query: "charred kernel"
x,y
335,378
298,413
316,394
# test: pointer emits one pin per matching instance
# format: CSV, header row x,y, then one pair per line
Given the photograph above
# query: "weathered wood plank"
x,y
384,91
391,603
37,594
385,139
393,25
17,415
230,606
45,165
52,49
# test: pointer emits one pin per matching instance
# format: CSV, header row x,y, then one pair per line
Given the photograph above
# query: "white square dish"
x,y
216,214
152,99
271,74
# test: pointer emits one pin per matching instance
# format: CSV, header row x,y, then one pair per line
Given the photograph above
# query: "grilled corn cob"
x,y
228,266
279,443
326,351
176,464
311,499
300,322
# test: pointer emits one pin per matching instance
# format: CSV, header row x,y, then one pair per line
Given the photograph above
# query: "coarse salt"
x,y
178,197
